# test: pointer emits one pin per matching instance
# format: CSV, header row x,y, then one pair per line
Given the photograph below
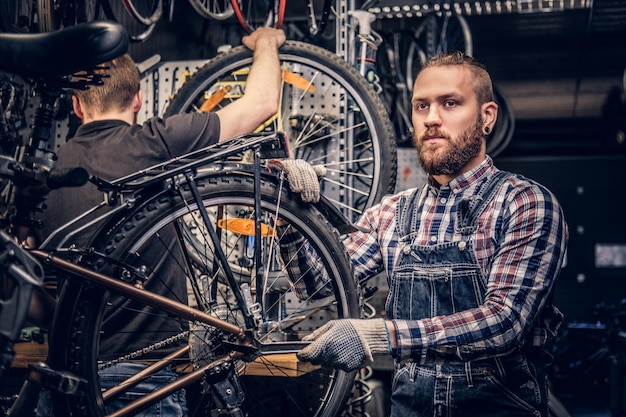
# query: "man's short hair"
x,y
483,87
118,89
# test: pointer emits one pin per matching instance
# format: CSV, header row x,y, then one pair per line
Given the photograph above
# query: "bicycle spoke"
x,y
213,9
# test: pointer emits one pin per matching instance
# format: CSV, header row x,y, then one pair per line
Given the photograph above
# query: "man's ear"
x,y
137,101
78,109
489,112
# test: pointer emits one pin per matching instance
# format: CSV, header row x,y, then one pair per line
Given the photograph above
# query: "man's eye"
x,y
449,103
421,106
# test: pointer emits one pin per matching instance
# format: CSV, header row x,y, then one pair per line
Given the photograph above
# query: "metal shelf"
x,y
398,9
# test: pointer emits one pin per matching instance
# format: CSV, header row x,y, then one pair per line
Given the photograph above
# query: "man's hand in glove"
x,y
303,178
346,344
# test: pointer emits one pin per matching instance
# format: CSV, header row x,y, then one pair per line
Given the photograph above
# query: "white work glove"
x,y
303,177
346,344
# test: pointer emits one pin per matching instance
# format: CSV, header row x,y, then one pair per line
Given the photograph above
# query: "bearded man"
x,y
471,258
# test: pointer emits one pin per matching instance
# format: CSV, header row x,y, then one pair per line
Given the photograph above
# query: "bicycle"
x,y
138,17
225,212
329,113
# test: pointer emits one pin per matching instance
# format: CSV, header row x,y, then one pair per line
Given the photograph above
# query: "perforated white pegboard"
x,y
410,174
159,85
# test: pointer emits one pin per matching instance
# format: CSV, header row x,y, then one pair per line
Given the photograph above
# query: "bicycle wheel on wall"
x,y
503,130
253,14
165,232
329,112
439,33
213,9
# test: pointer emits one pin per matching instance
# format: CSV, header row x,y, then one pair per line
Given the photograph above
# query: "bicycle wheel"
x,y
144,12
395,60
139,18
164,230
503,130
252,14
329,112
213,9
440,33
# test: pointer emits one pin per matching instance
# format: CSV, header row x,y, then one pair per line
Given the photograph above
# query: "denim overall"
x,y
442,279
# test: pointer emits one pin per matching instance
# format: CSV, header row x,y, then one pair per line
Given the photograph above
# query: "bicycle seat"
x,y
62,52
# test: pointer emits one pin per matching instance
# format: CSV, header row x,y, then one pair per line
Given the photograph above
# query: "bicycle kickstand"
x,y
41,376
225,389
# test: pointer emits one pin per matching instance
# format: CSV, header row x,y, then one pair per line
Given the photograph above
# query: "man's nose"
x,y
433,117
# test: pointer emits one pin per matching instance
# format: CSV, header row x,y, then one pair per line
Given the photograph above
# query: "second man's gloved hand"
x,y
303,177
346,344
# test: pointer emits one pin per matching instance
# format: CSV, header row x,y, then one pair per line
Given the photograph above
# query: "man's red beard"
x,y
449,157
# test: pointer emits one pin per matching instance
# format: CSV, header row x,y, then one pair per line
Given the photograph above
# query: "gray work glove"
x,y
346,344
303,177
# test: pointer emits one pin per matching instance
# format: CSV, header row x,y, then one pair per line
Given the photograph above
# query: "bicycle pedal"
x,y
59,381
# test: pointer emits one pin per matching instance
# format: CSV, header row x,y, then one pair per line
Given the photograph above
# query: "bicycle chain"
x,y
138,353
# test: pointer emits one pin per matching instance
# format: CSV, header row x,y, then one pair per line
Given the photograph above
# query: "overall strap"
x,y
469,210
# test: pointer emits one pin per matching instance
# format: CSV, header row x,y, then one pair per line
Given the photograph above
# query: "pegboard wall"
x,y
410,174
159,85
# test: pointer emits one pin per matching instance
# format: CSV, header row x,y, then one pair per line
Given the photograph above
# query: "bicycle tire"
x,y
342,125
504,128
395,60
213,9
321,392
139,18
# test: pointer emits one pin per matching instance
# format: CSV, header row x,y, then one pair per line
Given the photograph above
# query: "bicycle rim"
x,y
144,12
213,9
253,14
329,112
139,18
272,386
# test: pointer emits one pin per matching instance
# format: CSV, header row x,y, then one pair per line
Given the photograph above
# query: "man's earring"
x,y
487,130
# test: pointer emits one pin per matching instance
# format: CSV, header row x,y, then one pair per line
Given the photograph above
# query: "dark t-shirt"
x,y
112,149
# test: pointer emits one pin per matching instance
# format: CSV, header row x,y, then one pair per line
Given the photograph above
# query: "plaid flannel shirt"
x,y
520,245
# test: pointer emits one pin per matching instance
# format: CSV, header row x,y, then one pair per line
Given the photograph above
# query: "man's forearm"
x,y
264,81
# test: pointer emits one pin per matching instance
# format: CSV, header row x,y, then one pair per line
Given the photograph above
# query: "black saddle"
x,y
63,52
